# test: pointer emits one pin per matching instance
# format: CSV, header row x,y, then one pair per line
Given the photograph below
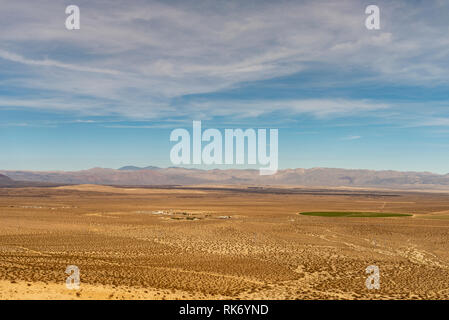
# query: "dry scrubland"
x,y
212,243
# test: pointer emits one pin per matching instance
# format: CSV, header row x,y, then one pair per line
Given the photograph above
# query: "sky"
x,y
109,94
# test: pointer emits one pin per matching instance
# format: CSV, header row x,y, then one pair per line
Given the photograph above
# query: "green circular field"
x,y
355,214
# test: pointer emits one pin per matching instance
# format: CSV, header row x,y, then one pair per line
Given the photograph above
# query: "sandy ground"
x,y
132,243
24,290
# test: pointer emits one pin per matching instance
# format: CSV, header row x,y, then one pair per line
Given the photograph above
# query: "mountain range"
x,y
6,181
141,176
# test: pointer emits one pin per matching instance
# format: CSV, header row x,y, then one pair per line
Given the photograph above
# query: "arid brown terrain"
x,y
221,243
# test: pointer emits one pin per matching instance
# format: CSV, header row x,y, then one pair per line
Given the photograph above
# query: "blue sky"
x,y
109,94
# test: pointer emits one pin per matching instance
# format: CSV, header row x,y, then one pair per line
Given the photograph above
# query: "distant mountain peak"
x,y
134,168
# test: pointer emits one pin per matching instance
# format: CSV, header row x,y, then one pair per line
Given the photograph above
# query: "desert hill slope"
x,y
5,181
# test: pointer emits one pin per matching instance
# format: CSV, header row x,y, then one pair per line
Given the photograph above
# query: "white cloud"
x,y
320,108
433,122
133,57
352,138
52,63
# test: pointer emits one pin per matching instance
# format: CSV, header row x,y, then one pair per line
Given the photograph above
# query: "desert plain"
x,y
218,242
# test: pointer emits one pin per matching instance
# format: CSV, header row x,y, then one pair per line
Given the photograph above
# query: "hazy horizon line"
x,y
138,168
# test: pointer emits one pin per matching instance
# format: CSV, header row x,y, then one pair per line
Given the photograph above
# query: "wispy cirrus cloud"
x,y
432,122
136,58
52,63
319,108
351,138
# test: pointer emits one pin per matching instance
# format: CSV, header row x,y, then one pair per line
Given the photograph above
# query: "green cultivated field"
x,y
355,214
